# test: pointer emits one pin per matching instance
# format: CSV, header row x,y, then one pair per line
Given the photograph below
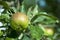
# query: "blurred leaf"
x,y
29,13
5,17
25,38
10,38
1,33
44,18
4,4
1,38
1,24
13,9
35,10
29,3
36,32
57,36
43,13
22,8
1,10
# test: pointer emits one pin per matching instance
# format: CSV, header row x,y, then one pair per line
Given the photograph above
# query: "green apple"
x,y
49,32
19,21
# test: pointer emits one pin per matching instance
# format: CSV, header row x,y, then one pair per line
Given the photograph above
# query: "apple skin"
x,y
19,21
49,32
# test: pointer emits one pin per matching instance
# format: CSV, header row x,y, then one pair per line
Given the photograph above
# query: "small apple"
x,y
19,21
48,32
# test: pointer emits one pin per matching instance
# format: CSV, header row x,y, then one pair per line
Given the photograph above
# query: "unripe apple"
x,y
19,21
49,32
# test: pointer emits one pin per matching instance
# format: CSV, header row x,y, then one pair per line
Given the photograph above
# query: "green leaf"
x,y
5,17
36,32
2,38
44,19
1,33
25,38
22,8
29,13
4,4
13,9
29,3
35,10
9,38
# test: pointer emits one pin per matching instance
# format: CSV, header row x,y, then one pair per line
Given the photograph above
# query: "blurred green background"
x,y
41,13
